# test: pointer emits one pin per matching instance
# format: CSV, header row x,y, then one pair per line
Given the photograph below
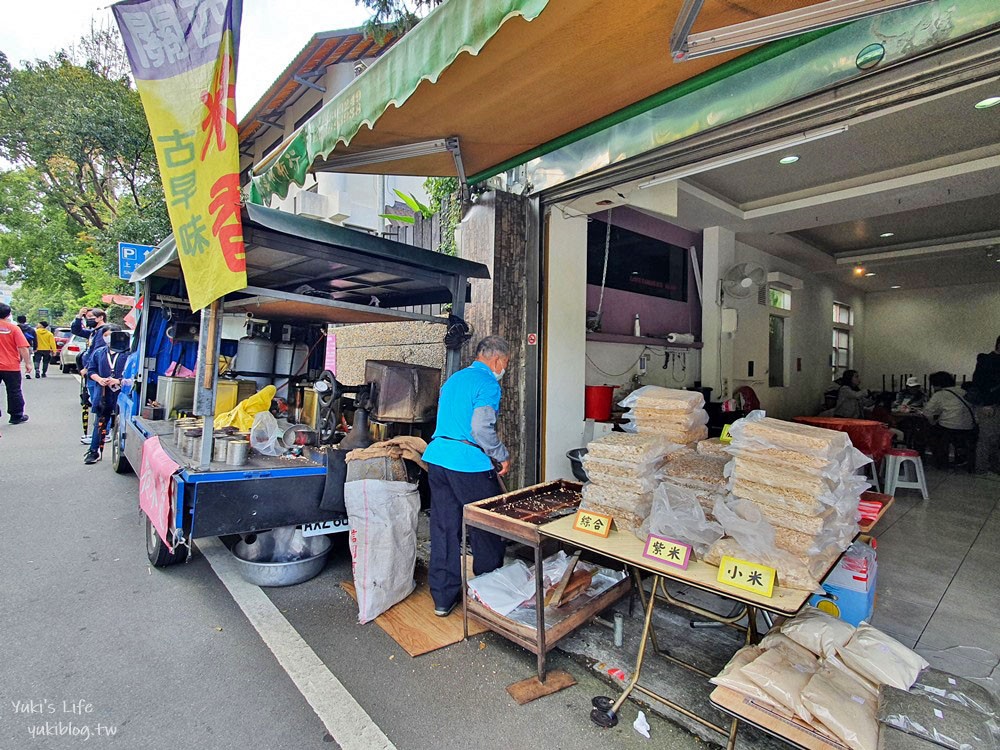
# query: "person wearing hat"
x,y
911,397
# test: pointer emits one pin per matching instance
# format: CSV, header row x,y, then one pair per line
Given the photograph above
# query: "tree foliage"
x,y
394,17
85,175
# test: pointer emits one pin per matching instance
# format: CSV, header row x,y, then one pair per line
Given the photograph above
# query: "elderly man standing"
x,y
462,459
15,352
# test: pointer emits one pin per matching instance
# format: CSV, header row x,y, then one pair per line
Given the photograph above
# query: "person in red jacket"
x,y
15,353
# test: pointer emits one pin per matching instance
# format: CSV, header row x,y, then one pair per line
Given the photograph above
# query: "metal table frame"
x,y
626,548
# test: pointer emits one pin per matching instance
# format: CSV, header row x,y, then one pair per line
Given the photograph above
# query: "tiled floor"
x,y
939,574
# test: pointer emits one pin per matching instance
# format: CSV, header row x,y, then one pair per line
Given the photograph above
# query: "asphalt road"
x,y
92,639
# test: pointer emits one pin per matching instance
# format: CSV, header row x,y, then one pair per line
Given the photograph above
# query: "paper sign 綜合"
x,y
590,522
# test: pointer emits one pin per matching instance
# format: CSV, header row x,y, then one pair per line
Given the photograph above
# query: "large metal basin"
x,y
281,573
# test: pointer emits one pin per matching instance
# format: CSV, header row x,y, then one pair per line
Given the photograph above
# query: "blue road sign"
x,y
130,256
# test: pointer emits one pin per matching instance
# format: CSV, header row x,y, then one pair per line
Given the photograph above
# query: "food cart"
x,y
303,276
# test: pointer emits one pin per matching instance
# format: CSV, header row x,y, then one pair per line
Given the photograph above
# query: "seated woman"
x,y
912,396
851,400
952,421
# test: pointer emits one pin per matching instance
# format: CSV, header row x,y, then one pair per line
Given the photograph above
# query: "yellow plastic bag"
x,y
241,416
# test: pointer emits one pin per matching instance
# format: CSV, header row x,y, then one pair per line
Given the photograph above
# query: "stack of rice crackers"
x,y
677,415
623,468
801,480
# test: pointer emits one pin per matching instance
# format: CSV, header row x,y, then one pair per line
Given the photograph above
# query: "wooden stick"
x,y
564,581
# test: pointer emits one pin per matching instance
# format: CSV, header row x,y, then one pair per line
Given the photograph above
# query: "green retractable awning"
x,y
535,71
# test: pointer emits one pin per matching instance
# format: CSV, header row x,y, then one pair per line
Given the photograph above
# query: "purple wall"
x,y
657,316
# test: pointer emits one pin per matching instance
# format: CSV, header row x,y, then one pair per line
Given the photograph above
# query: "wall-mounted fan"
x,y
742,281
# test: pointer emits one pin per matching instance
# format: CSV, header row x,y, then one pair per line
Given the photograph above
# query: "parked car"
x,y
62,335
70,351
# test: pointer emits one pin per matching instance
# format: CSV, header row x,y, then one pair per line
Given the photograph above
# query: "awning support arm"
x,y
682,28
687,46
395,153
456,153
309,84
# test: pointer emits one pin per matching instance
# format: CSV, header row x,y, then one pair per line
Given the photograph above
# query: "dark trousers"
x,y
943,438
104,416
42,360
15,399
450,492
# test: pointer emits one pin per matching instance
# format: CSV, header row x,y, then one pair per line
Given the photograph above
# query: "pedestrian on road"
x,y
15,352
45,349
107,365
88,324
29,334
463,458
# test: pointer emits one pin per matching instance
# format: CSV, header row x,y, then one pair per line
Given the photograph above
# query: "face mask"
x,y
499,375
91,322
107,341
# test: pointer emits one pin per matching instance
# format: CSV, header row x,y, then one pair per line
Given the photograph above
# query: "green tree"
x,y
85,173
394,17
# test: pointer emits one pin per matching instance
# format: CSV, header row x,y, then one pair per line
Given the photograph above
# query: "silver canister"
x,y
237,452
219,448
191,444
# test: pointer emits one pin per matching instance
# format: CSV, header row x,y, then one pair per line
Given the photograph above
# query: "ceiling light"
x,y
788,159
887,234
870,273
725,160
895,286
988,102
859,270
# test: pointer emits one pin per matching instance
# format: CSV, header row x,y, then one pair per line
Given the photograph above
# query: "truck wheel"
x,y
119,463
157,552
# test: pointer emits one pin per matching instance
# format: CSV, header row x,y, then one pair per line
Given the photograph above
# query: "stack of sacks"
x,y
713,447
623,468
802,482
679,416
809,670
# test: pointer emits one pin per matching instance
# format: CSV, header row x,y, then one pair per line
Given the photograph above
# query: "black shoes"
x,y
445,611
19,420
91,457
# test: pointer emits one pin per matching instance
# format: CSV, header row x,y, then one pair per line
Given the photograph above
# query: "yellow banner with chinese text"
x,y
183,55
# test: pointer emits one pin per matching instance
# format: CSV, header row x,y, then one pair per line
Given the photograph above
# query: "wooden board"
x,y
626,547
793,731
532,688
414,626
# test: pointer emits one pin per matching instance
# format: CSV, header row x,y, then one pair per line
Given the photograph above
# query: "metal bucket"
x,y
219,448
179,426
191,442
237,452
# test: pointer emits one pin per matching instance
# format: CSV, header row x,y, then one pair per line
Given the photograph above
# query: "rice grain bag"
x,y
881,658
842,707
732,677
818,631
782,679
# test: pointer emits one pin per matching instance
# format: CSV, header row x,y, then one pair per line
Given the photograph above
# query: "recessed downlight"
x,y
887,234
895,286
790,159
859,270
990,101
870,273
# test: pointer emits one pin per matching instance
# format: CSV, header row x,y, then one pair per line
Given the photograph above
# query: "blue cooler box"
x,y
849,605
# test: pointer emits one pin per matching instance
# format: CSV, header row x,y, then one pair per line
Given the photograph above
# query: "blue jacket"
x,y
467,411
107,364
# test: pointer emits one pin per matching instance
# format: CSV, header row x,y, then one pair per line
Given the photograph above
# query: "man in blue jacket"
x,y
106,368
463,458
89,324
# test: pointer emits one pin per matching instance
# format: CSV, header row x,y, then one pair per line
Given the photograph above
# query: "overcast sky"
x,y
273,32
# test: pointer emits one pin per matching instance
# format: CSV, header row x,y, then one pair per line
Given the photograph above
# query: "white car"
x,y
72,349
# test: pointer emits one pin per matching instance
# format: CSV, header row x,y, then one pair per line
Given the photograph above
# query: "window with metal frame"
x,y
843,334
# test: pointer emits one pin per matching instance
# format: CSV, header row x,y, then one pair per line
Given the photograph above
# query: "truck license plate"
x,y
326,527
